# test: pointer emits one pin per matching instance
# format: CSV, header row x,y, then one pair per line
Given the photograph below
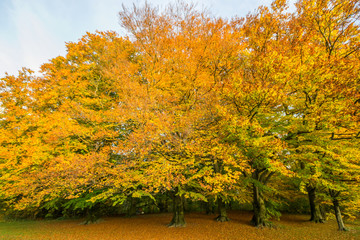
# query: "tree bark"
x,y
338,215
222,211
178,219
316,215
92,215
209,207
132,207
259,208
162,205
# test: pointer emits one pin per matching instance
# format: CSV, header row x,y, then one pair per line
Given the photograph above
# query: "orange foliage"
x,y
187,103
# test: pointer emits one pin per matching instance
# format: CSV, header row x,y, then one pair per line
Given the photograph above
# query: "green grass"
x,y
16,229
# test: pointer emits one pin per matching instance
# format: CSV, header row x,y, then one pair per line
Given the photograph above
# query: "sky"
x,y
34,31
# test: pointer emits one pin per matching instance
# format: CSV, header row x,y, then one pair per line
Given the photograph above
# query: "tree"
x,y
323,93
192,107
77,122
253,95
182,64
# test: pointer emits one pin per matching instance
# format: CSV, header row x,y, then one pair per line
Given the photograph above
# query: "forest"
x,y
191,112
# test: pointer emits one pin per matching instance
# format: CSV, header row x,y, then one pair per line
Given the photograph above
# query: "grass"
x,y
17,229
153,226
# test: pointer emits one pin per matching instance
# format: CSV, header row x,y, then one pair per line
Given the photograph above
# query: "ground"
x,y
153,226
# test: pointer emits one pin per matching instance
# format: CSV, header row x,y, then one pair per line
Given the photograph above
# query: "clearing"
x,y
153,226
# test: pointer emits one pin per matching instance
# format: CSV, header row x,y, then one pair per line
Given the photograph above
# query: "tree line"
x,y
253,109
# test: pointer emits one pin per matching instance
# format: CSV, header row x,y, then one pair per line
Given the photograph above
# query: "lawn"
x,y
153,226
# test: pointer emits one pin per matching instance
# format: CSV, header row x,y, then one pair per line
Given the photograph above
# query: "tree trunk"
x,y
259,208
338,215
132,207
222,211
162,205
316,215
178,219
187,207
166,204
209,207
92,215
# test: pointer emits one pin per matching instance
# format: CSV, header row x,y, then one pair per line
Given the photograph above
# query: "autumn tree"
x,y
17,143
78,121
322,102
193,107
253,95
186,54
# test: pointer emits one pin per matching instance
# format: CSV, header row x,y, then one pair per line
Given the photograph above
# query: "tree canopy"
x,y
193,107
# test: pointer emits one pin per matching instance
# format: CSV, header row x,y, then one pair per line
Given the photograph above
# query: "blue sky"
x,y
34,31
